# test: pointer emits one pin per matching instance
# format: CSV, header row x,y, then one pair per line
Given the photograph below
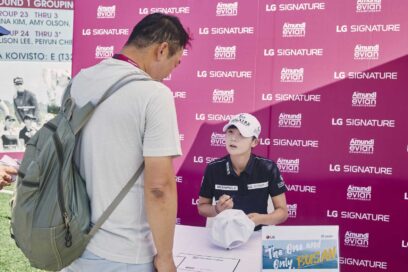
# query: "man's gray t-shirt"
x,y
137,121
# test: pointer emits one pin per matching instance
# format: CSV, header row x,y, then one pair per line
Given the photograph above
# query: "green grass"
x,y
11,258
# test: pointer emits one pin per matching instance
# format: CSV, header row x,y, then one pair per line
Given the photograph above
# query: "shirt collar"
x,y
248,169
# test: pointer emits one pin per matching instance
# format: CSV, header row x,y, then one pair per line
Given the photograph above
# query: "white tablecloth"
x,y
196,240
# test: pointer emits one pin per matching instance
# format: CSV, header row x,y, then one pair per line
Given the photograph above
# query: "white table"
x,y
196,241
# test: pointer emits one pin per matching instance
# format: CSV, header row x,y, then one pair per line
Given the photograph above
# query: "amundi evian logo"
x,y
363,6
355,239
359,193
225,52
366,52
294,30
361,146
103,52
226,9
223,96
292,75
364,99
106,12
217,139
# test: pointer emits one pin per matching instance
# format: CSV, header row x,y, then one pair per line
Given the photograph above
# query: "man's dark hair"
x,y
158,28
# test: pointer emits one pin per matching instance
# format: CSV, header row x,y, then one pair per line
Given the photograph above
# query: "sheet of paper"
x,y
7,160
178,259
200,263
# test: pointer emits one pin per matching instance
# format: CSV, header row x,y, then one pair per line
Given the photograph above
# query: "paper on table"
x,y
178,260
9,161
199,263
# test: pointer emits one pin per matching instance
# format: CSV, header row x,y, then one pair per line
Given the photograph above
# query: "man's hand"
x,y
164,264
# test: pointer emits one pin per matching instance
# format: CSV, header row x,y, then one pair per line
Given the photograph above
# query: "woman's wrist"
x,y
216,210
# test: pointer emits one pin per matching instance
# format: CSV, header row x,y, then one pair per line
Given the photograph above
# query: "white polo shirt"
x,y
138,120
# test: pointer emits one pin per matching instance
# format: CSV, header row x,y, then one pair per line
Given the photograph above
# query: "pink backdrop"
x,y
328,81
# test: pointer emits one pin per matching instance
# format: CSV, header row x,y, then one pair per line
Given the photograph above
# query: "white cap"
x,y
246,123
231,228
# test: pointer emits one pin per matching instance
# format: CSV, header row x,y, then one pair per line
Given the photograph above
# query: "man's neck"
x,y
239,162
139,56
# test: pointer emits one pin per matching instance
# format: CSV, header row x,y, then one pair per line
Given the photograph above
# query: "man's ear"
x,y
254,143
162,51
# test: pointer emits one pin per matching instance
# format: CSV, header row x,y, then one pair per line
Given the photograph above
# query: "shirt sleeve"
x,y
277,184
161,137
207,187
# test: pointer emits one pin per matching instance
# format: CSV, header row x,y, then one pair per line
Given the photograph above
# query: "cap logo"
x,y
242,121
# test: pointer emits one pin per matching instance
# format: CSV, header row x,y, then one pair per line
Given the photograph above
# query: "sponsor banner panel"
x,y
35,64
37,34
326,79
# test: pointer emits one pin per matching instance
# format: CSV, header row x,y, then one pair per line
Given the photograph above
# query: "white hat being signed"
x,y
231,228
246,123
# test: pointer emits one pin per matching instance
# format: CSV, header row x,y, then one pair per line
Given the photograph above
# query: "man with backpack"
x,y
136,124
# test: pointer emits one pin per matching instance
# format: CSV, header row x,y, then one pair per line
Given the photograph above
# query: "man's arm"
x,y
278,216
161,208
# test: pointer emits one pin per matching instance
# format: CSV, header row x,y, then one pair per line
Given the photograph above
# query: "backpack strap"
x,y
80,116
67,93
115,202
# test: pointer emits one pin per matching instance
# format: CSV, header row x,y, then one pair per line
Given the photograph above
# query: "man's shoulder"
x,y
110,70
97,78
